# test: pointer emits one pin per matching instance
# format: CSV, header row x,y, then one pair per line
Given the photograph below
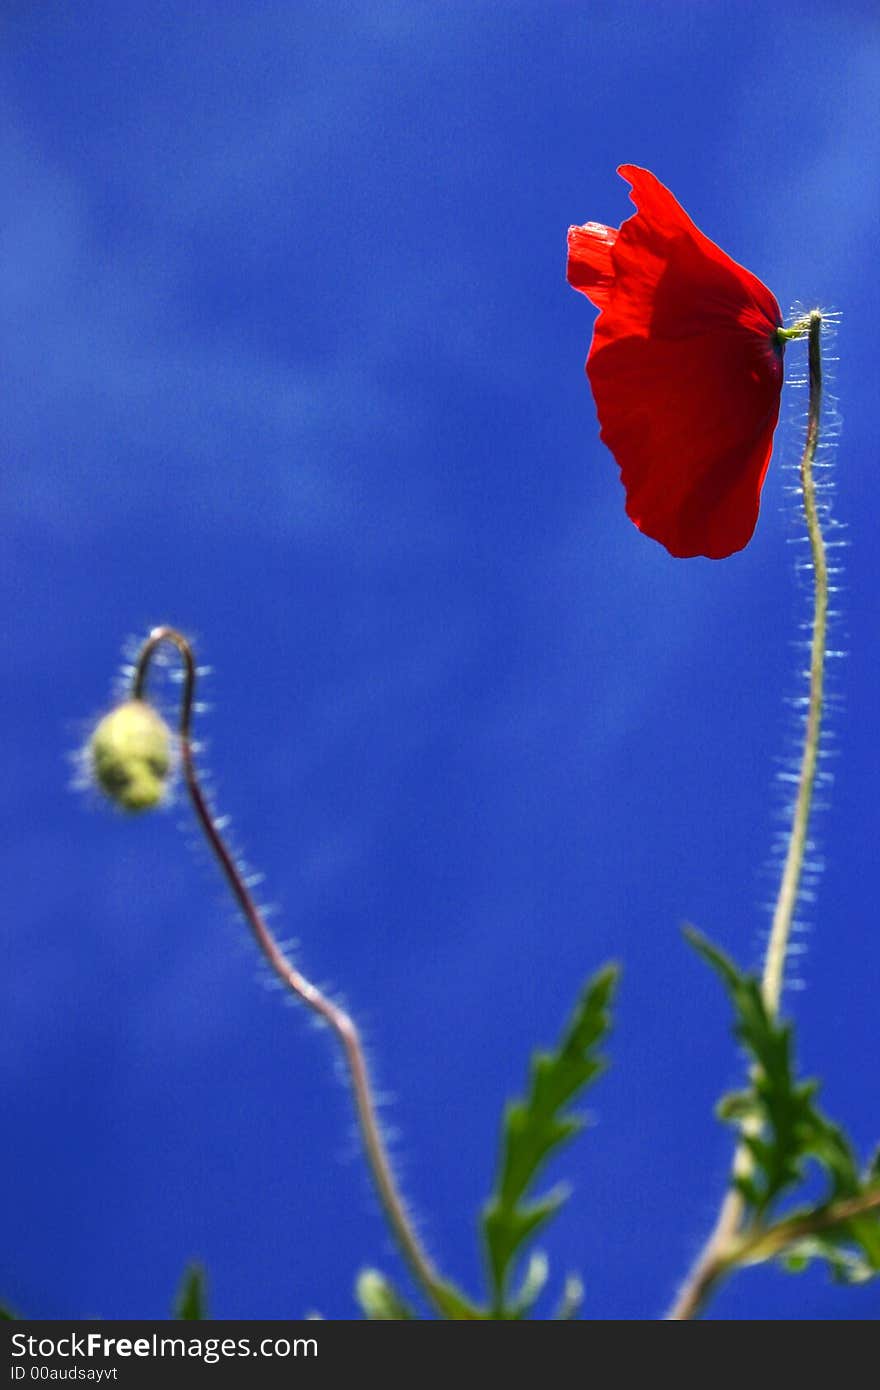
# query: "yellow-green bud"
x,y
131,755
379,1300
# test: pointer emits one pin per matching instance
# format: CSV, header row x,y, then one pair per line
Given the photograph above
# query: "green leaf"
x,y
572,1298
532,1284
736,1106
454,1305
847,1265
535,1127
379,1299
782,1126
191,1302
783,1130
6,1314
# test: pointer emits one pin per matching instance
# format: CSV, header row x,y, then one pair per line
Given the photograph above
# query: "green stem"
x,y
761,1243
723,1248
780,932
765,1244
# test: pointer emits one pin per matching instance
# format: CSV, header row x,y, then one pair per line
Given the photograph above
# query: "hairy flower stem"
x,y
340,1023
727,1245
780,932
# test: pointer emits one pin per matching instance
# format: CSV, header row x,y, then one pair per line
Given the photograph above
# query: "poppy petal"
x,y
685,371
590,268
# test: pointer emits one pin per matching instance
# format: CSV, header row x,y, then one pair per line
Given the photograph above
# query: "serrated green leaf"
x,y
715,957
783,1126
191,1302
507,1228
783,1129
535,1127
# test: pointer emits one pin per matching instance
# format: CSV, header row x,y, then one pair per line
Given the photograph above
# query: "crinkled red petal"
x,y
590,268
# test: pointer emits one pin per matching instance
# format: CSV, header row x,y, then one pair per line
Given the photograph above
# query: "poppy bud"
x,y
130,753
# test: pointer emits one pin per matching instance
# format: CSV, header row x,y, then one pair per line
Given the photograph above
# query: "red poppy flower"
x,y
685,368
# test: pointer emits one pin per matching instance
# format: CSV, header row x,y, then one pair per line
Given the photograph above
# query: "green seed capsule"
x,y
131,756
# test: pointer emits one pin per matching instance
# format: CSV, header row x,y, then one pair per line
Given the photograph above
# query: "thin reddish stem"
x,y
339,1022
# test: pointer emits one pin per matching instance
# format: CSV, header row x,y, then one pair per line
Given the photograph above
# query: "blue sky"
x,y
290,362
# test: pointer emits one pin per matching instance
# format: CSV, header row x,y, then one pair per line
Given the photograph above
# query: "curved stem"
x,y
719,1253
339,1021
